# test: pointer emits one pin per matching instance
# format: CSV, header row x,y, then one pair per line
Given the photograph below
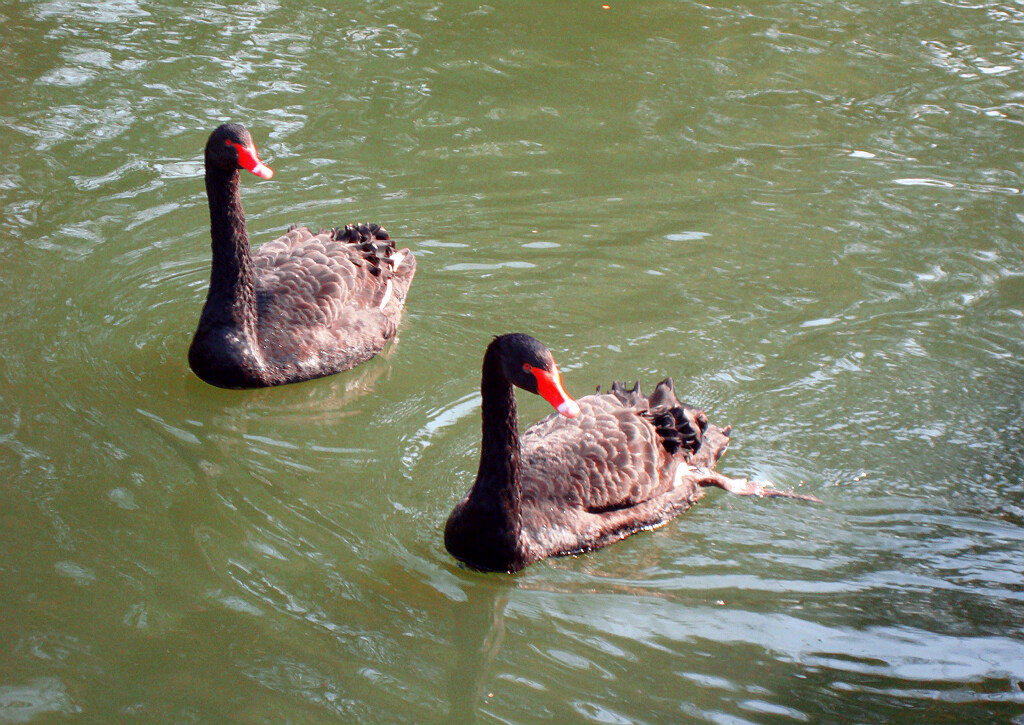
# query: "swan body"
x,y
606,467
300,307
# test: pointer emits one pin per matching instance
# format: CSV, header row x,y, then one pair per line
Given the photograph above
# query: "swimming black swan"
x,y
300,307
610,465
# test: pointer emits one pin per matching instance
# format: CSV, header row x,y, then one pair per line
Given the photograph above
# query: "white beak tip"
x,y
263,171
570,409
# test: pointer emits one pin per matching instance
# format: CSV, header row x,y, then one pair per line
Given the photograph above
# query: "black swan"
x,y
610,465
302,306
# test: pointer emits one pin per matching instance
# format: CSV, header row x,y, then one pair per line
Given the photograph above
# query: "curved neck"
x,y
497,488
231,275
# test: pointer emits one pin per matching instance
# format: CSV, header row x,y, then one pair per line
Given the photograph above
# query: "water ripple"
x,y
807,218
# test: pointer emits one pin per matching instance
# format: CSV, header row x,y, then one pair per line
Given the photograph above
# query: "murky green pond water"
x,y
808,213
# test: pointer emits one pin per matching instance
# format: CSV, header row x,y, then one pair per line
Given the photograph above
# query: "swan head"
x,y
230,147
529,365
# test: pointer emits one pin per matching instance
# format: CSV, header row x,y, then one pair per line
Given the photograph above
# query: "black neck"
x,y
497,482
231,276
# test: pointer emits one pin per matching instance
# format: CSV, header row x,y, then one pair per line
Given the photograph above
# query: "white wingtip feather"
x,y
387,295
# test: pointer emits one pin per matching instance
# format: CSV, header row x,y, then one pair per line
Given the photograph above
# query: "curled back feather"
x,y
679,426
374,243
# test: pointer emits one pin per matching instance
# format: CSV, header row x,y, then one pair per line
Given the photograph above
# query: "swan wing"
x,y
608,458
625,464
306,280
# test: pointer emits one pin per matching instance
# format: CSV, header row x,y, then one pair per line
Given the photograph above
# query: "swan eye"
x,y
527,367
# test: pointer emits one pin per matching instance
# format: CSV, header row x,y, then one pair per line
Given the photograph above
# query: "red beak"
x,y
249,161
549,387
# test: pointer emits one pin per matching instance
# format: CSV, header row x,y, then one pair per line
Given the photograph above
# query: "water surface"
x,y
808,214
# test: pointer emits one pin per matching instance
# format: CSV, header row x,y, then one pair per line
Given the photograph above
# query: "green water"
x,y
809,214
